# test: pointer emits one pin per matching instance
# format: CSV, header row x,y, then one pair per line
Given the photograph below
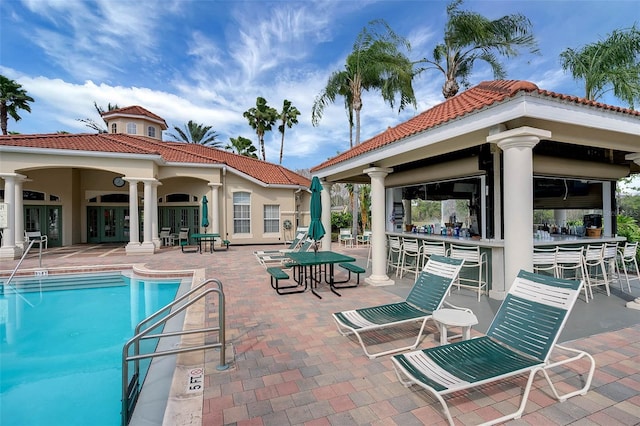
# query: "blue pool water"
x,y
61,350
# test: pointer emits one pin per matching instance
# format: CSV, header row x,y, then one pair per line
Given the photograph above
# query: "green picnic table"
x,y
308,267
206,238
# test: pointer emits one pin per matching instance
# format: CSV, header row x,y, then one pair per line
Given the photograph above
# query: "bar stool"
x,y
544,260
393,249
570,264
410,257
627,255
609,256
595,268
432,247
473,258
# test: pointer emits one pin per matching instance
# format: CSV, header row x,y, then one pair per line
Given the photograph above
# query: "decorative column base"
x,y
12,252
379,280
140,248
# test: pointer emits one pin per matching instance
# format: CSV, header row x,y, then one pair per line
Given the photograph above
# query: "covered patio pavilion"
x,y
505,133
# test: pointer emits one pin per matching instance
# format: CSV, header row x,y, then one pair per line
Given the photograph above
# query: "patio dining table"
x,y
309,267
206,238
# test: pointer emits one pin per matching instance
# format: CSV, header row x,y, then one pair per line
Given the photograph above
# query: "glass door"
x,y
106,224
47,220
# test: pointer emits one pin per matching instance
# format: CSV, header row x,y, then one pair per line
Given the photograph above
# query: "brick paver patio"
x,y
290,366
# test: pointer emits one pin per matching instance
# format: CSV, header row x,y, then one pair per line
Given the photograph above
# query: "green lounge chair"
x,y
427,295
519,341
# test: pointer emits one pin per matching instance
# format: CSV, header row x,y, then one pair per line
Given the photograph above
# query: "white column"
x,y
378,275
325,198
406,206
214,208
560,217
517,145
9,249
134,219
155,236
19,213
147,246
608,215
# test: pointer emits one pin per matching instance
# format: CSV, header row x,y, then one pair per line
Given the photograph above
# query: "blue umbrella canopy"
x,y
316,230
205,212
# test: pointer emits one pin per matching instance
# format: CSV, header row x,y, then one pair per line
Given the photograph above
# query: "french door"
x,y
107,224
47,220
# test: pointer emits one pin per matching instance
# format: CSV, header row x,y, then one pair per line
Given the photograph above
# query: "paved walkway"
x,y
290,366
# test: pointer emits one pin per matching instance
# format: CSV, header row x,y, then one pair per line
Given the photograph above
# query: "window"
x,y
132,129
151,132
241,212
271,218
33,195
114,128
178,198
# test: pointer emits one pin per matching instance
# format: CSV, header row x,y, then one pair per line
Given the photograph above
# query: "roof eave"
x,y
79,153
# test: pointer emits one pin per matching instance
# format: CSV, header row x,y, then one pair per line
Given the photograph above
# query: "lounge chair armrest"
x,y
460,308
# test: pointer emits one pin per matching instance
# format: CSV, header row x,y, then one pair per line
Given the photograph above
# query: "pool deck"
x,y
288,365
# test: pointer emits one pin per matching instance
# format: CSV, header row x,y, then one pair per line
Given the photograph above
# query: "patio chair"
x,y
364,239
168,239
427,295
519,341
184,242
345,237
37,237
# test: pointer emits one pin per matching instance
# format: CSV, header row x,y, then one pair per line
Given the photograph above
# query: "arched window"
x,y
151,132
178,198
114,128
241,212
132,129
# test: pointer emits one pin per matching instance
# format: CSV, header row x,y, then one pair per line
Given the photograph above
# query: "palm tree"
x,y
196,133
261,118
469,36
609,64
376,63
289,117
242,146
12,98
89,122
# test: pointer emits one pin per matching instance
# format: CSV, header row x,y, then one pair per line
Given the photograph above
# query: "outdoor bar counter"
x,y
560,240
494,249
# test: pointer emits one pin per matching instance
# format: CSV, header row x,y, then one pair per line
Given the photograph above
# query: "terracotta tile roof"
x,y
476,98
75,142
171,152
135,110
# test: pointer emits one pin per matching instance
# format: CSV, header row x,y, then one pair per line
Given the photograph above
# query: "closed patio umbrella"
x,y
316,230
205,213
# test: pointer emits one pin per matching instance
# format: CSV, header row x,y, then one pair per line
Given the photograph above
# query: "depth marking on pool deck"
x,y
195,380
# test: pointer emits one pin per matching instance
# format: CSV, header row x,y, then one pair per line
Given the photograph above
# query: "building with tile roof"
x,y
506,147
79,188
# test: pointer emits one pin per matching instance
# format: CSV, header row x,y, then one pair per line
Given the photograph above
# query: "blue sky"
x,y
207,61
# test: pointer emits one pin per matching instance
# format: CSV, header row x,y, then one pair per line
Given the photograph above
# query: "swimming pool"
x,y
61,348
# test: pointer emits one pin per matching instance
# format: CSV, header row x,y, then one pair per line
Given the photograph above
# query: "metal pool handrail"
x,y
13,273
131,390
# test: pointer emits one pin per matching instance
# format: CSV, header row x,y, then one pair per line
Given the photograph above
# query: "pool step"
x,y
64,282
